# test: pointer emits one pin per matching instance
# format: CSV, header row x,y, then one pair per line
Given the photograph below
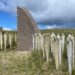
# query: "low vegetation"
x,y
56,31
14,62
29,63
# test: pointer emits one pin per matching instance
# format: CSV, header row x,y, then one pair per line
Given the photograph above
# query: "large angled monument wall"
x,y
26,28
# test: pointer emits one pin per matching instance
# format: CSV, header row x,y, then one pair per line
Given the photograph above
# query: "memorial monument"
x,y
26,28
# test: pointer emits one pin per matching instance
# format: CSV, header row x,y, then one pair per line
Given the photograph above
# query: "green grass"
x,y
56,31
13,63
26,63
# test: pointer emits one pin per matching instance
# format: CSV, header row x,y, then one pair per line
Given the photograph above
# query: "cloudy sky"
x,y
47,13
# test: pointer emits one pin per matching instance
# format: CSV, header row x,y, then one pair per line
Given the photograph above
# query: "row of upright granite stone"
x,y
53,47
8,40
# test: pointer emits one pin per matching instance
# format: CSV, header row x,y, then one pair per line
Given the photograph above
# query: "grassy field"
x,y
32,63
28,63
13,62
56,31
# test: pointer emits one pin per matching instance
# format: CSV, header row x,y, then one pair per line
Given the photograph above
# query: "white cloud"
x,y
52,26
8,6
8,29
43,11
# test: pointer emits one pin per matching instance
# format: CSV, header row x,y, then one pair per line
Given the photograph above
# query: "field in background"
x,y
27,63
56,31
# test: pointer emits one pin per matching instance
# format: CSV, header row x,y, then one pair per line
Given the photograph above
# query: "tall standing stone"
x,y
1,40
46,47
5,41
26,28
59,48
62,42
69,54
55,50
10,40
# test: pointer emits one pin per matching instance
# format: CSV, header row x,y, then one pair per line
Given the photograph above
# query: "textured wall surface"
x,y
26,28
